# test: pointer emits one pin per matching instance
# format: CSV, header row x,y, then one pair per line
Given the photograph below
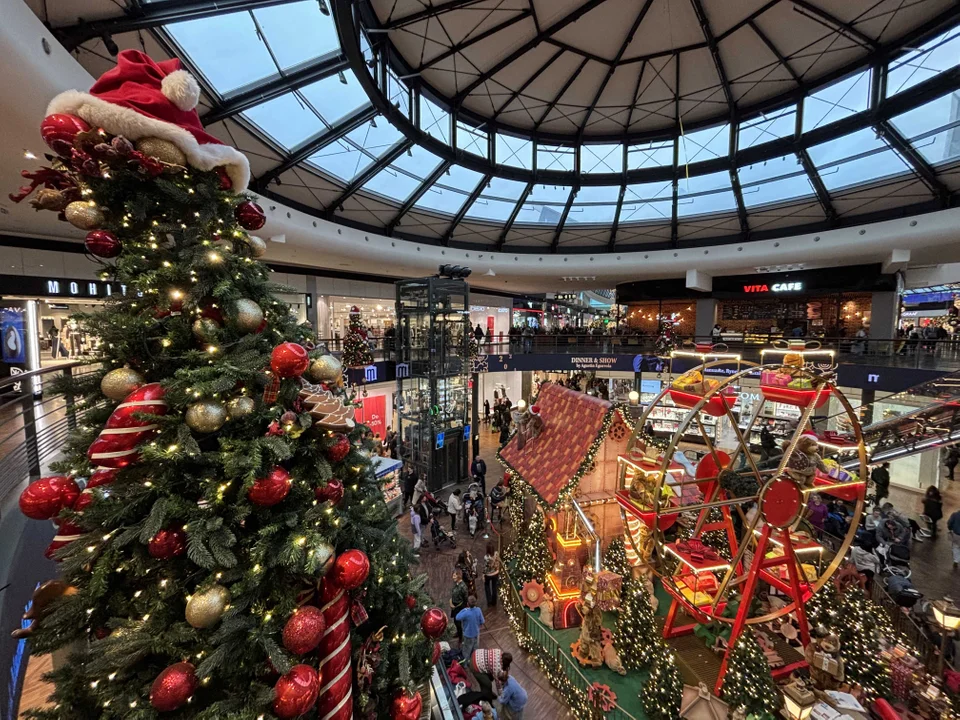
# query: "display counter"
x,y
387,470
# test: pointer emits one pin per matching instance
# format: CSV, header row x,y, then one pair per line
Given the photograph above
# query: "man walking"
x,y
478,469
881,482
471,620
953,527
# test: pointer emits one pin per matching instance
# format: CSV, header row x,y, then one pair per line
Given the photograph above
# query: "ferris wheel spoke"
x,y
736,561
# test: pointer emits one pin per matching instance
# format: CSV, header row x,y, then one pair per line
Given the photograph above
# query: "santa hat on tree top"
x,y
140,98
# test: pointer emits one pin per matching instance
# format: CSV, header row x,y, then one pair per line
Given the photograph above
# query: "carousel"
x,y
721,525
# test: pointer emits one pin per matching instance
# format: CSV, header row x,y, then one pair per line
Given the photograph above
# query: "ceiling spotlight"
x,y
409,154
342,78
373,122
323,7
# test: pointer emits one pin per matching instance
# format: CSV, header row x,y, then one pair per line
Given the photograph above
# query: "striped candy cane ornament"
x,y
336,670
116,446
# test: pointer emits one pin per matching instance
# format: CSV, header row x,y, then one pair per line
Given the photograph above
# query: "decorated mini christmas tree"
x,y
665,341
615,559
860,624
748,683
534,559
636,638
356,350
230,554
663,691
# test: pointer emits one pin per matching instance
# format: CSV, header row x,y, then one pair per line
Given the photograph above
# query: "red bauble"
x,y
116,446
340,448
436,653
173,687
289,360
296,692
225,182
250,215
45,498
59,131
86,497
167,544
103,476
332,491
102,243
434,623
350,569
271,489
304,630
406,706
411,602
210,309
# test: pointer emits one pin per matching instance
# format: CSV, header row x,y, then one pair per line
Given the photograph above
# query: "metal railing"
x,y
927,647
549,652
891,352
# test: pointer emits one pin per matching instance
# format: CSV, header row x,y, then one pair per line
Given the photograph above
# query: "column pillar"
x,y
706,317
884,313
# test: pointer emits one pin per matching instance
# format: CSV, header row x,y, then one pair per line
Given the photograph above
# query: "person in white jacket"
x,y
454,506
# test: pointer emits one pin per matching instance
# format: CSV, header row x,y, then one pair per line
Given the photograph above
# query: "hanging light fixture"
x,y
323,7
342,78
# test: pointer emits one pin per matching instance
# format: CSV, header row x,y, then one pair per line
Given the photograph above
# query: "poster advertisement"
x,y
11,333
373,414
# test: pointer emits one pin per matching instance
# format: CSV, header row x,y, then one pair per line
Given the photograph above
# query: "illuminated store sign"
x,y
776,287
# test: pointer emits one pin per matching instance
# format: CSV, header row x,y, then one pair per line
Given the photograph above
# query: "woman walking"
x,y
933,508
491,574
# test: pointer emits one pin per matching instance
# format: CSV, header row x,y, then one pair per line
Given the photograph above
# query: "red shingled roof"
x,y
572,421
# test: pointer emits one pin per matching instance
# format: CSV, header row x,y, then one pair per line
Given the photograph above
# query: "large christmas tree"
x,y
231,555
534,559
663,691
636,637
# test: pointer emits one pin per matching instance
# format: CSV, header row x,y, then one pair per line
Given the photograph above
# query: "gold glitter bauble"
x,y
258,248
240,407
205,609
162,150
325,369
119,383
324,554
247,315
81,214
206,416
205,329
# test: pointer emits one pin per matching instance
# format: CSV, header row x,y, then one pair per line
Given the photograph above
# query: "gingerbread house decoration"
x,y
573,456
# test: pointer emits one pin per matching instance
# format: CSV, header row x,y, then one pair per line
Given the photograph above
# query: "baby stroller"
x,y
895,559
473,510
439,535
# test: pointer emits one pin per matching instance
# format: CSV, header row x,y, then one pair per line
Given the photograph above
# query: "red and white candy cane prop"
x,y
336,670
116,446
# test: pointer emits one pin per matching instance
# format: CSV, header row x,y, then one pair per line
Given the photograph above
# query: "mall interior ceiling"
x,y
550,145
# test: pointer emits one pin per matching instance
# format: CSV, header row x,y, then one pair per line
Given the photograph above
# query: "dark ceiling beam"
x,y
641,14
776,53
527,83
151,15
844,28
715,54
461,46
513,216
279,85
612,243
748,19
428,13
462,212
417,194
675,169
633,101
317,143
525,48
741,208
381,163
818,187
566,86
577,51
916,161
555,245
